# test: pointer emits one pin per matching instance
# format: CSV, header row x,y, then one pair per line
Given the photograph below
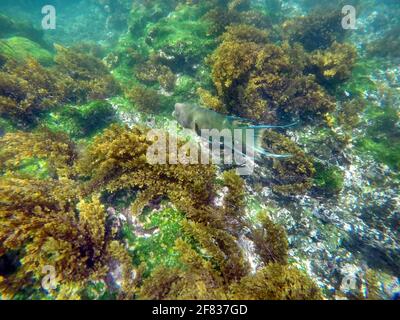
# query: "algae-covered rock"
x,y
20,49
181,37
154,240
381,140
27,89
82,121
258,80
328,179
87,76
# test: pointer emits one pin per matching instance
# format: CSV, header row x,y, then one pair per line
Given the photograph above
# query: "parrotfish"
x,y
196,118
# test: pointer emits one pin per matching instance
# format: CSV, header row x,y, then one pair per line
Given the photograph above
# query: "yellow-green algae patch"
x,y
20,49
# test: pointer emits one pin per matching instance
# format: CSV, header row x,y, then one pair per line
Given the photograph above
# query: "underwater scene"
x,y
199,149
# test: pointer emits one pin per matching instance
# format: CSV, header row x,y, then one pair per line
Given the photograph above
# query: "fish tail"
x,y
260,127
265,153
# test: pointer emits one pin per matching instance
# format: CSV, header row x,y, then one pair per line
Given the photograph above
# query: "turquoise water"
x,y
84,215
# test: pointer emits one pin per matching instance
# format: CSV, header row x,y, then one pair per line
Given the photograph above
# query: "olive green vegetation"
x,y
54,148
293,175
28,89
349,115
21,49
79,194
83,120
387,46
328,179
159,248
270,241
257,79
59,220
382,136
318,30
263,285
146,99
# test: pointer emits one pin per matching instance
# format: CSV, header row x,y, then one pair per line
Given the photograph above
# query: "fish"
x,y
197,118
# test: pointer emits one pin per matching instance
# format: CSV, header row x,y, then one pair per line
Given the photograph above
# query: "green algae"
x,y
82,121
182,36
20,49
383,151
185,89
36,168
361,82
328,179
382,136
6,126
181,41
158,249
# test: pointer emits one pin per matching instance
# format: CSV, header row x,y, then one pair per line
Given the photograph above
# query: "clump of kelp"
x,y
60,221
36,78
260,80
318,30
27,89
291,176
47,222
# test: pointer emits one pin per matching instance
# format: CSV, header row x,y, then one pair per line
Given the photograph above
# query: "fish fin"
x,y
272,126
240,119
245,122
271,155
233,118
